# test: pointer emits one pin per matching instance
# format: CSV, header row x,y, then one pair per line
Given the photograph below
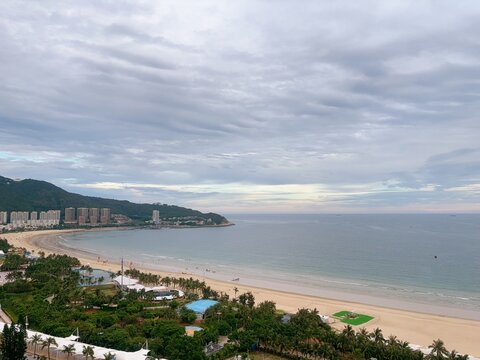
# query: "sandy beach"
x,y
417,328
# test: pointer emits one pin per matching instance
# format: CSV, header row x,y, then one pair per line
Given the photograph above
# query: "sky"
x,y
246,106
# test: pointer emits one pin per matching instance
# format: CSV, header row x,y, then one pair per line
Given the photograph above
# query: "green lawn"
x,y
359,319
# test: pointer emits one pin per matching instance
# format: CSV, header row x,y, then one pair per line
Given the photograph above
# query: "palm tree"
x,y
453,355
88,352
235,289
392,340
108,356
438,350
377,336
167,281
47,343
69,350
348,331
35,340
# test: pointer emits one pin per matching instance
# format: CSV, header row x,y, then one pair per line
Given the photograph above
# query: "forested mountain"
x,y
35,195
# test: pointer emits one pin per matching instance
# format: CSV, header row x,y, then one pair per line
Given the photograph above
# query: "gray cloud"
x,y
326,99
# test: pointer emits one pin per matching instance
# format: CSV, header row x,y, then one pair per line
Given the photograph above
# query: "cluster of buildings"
x,y
24,219
87,216
51,218
179,220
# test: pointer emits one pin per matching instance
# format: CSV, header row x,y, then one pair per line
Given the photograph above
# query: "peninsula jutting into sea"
x,y
33,204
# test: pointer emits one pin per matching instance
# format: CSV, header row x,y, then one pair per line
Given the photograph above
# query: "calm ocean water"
x,y
379,259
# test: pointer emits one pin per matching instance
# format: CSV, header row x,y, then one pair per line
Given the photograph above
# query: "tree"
x,y
109,356
247,299
14,275
88,352
184,347
48,343
187,315
438,351
14,345
12,262
377,336
69,350
235,289
4,245
35,340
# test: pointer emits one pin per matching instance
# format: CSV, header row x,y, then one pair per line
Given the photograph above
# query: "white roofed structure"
x,y
126,280
98,350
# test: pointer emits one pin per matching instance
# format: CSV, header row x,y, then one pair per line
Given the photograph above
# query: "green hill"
x,y
35,195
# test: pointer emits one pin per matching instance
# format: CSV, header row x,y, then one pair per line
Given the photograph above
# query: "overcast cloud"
x,y
246,106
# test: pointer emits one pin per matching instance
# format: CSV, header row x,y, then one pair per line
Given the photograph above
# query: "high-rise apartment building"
x,y
94,215
18,217
3,217
156,216
24,219
105,215
70,216
82,214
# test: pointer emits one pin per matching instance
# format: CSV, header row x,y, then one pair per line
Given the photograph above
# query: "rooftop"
x,y
201,306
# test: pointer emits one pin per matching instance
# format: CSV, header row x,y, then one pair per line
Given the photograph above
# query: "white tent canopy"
x,y
98,351
126,280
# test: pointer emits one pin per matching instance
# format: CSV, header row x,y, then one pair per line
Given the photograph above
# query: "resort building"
x,y
70,216
55,352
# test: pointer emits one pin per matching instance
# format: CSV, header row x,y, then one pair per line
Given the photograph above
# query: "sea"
x,y
421,262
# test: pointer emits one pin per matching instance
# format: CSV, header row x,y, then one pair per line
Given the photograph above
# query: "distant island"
x,y
27,196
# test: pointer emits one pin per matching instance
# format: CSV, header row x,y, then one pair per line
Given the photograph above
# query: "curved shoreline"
x,y
419,328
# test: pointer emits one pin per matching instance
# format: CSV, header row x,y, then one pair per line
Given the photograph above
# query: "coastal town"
x,y
88,217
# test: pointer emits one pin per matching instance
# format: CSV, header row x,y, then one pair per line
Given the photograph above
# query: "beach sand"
x,y
417,328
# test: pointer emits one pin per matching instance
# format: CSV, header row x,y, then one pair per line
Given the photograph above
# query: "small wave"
x,y
344,283
157,256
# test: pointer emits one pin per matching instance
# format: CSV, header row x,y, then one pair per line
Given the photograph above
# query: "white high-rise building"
x,y
22,219
3,217
156,216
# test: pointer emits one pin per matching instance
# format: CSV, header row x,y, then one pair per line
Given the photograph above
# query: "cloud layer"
x,y
246,106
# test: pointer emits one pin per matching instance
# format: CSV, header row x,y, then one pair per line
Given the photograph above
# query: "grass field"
x,y
357,319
